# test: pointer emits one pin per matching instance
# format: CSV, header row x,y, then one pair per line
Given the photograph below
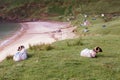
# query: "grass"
x,y
61,60
64,62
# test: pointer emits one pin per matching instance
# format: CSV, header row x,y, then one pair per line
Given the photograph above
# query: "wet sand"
x,y
33,33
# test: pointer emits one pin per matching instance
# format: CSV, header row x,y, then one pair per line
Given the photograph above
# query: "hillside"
x,y
61,60
32,10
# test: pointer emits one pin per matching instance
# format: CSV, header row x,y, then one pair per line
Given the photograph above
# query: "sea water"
x,y
7,30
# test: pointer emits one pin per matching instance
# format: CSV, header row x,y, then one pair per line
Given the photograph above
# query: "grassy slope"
x,y
62,61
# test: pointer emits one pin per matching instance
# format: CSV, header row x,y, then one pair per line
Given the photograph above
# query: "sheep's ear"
x,y
96,48
100,50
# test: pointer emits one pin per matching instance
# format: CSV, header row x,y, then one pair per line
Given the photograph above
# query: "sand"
x,y
32,33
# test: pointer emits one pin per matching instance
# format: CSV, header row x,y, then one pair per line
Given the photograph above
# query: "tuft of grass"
x,y
78,42
41,47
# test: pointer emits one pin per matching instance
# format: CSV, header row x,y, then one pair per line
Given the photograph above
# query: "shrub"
x,y
75,43
41,47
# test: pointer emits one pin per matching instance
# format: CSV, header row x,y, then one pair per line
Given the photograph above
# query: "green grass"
x,y
64,62
61,60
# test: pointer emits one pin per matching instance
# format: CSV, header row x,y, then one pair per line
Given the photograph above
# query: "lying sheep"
x,y
90,53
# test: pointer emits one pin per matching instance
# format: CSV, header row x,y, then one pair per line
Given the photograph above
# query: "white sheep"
x,y
90,53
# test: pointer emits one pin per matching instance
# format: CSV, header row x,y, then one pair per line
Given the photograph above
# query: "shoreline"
x,y
11,38
32,33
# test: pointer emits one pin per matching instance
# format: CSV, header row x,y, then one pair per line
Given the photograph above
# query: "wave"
x,y
12,38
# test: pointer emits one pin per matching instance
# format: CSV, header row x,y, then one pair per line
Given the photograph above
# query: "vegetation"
x,y
61,60
51,9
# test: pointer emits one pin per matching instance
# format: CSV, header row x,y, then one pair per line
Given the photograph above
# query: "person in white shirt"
x,y
21,54
90,53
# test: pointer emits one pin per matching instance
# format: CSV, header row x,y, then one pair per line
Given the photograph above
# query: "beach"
x,y
32,33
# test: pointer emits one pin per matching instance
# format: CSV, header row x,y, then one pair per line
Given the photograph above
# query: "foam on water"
x,y
7,30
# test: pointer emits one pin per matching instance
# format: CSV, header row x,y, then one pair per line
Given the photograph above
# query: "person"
x,y
90,53
21,54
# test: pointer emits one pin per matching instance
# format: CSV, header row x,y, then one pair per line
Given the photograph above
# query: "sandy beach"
x,y
32,33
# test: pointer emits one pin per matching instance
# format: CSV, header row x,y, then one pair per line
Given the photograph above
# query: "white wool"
x,y
87,53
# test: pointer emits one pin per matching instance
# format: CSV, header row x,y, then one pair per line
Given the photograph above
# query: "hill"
x,y
32,10
61,60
